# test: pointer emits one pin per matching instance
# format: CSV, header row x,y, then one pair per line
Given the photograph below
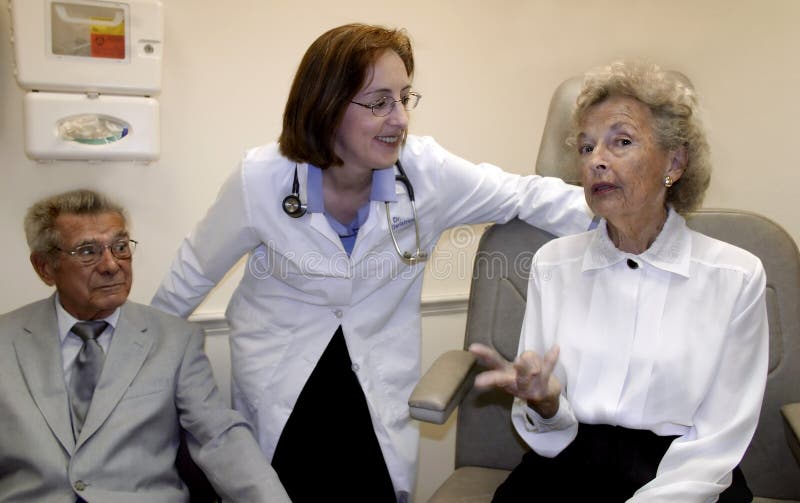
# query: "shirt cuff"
x,y
563,418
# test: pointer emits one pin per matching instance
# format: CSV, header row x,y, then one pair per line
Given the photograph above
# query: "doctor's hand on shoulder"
x,y
529,377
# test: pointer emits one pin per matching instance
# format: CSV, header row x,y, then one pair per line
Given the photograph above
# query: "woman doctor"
x,y
337,219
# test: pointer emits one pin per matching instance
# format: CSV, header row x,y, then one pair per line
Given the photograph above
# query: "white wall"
x,y
486,70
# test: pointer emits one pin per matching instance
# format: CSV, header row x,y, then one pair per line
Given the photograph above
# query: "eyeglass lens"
x,y
385,106
91,253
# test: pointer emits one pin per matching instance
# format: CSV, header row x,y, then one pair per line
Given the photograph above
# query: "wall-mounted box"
x,y
64,126
88,45
91,68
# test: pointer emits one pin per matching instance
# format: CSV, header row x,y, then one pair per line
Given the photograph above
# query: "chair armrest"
x,y
442,387
791,424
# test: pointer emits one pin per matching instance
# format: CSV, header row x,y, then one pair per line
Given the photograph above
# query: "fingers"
x,y
494,378
530,364
488,357
529,376
550,359
534,381
500,373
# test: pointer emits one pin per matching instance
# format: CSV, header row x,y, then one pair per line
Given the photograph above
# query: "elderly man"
x,y
94,389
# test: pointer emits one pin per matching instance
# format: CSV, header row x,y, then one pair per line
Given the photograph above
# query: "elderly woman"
x,y
643,354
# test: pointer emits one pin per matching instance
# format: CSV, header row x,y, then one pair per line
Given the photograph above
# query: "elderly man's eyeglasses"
x,y
91,253
385,105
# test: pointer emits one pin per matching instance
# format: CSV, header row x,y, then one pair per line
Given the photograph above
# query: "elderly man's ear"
x,y
43,266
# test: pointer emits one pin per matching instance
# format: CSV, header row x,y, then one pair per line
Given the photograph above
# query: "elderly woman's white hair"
x,y
675,109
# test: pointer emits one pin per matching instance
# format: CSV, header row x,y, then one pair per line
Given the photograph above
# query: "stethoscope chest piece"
x,y
292,205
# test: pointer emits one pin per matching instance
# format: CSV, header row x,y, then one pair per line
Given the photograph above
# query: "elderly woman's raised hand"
x,y
530,377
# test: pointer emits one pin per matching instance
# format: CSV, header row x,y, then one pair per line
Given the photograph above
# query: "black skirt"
x,y
328,450
603,463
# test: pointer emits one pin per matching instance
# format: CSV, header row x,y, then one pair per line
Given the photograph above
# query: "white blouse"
x,y
674,340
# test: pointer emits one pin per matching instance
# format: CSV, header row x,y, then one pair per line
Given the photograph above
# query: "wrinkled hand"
x,y
530,377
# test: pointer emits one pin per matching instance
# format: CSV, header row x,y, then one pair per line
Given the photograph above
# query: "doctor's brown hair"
x,y
331,73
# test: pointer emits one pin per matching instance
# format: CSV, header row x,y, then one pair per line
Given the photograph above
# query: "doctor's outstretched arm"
x,y
468,193
218,241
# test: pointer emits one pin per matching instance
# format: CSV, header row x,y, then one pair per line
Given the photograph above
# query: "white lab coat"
x,y
299,284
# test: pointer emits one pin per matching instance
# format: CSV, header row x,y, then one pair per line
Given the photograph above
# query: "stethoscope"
x,y
295,208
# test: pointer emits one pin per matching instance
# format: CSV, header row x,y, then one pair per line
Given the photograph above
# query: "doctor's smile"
x,y
388,139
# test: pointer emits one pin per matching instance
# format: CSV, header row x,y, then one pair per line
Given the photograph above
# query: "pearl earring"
x,y
667,181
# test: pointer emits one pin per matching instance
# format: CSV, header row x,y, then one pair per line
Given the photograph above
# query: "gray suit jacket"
x,y
156,378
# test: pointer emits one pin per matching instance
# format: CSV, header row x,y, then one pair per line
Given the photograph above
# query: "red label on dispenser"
x,y
108,46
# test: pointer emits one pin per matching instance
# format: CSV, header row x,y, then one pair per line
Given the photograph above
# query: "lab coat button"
x,y
355,367
80,485
338,313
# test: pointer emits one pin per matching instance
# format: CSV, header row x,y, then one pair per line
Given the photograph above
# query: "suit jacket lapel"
x,y
128,351
39,355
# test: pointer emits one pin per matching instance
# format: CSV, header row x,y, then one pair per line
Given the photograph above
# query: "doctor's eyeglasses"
x,y
385,105
91,253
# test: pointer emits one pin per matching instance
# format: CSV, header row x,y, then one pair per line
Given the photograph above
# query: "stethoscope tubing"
x,y
418,255
295,208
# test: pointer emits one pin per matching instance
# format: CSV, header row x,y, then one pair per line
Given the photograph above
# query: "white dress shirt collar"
x,y
66,320
671,251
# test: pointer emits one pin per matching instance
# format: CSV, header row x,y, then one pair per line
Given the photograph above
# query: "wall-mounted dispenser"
x,y
92,69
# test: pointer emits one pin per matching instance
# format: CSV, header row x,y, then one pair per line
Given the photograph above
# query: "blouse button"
x,y
338,313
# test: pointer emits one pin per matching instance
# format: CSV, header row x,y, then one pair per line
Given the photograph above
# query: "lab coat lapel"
x,y
320,224
129,348
39,356
372,232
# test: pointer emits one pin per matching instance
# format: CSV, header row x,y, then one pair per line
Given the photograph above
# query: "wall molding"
x,y
215,324
445,304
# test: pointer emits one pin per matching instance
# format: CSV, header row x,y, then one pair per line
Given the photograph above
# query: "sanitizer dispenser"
x,y
92,70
